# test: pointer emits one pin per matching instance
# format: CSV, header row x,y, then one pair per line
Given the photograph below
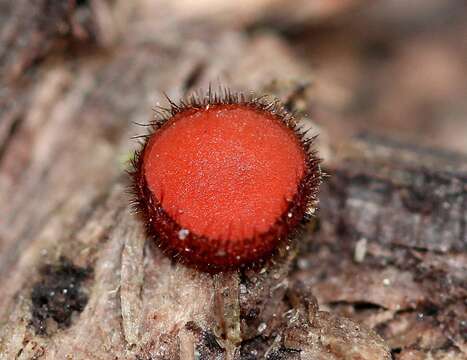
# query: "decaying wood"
x,y
78,278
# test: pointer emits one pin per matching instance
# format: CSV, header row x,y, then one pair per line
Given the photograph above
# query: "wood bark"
x,y
80,280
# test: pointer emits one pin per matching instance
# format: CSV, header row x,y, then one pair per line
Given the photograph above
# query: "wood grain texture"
x,y
70,106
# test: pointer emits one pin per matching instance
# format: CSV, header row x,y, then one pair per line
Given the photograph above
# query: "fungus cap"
x,y
220,183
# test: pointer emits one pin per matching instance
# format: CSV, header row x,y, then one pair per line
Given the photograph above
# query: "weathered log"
x,y
78,277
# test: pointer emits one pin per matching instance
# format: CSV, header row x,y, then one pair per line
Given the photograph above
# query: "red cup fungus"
x,y
222,179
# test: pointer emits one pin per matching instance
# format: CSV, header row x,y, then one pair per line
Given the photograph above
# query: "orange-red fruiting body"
x,y
222,181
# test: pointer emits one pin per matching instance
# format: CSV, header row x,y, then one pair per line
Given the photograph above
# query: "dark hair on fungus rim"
x,y
211,249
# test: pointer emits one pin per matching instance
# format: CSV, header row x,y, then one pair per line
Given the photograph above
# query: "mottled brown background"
x,y
383,82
